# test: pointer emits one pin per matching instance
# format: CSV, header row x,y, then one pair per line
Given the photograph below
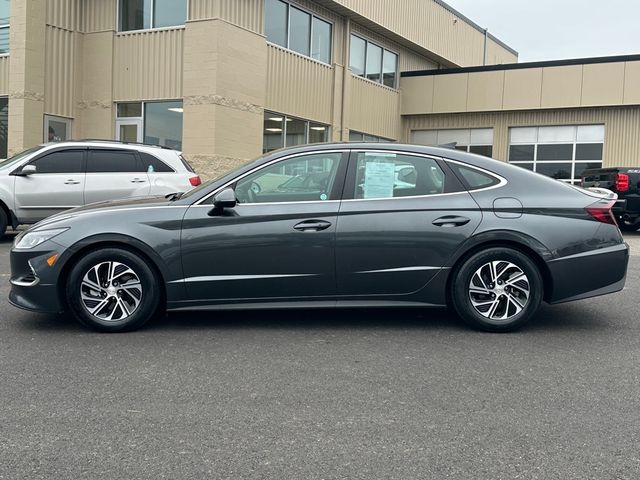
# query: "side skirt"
x,y
302,304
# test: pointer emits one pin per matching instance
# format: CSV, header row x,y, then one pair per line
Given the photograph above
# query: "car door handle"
x,y
312,226
451,221
71,181
138,180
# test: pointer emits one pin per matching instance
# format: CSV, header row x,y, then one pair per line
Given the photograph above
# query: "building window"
x,y
282,131
474,140
155,123
145,14
5,16
4,126
300,31
561,152
364,137
56,129
373,62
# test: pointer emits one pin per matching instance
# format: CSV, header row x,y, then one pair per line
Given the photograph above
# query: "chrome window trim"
x,y
260,167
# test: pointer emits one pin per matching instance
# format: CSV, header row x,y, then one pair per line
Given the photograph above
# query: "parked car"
x,y
490,239
50,178
625,181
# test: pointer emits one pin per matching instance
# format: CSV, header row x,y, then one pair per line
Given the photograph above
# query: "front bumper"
x,y
34,284
589,274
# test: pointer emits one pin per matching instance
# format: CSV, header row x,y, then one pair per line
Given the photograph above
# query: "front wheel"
x,y
113,290
497,290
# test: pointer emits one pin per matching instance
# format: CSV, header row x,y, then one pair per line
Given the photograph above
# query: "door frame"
x,y
137,121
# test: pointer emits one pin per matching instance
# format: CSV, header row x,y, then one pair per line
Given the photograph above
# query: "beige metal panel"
x,y
632,83
485,91
245,13
561,86
622,127
450,93
430,25
98,15
417,95
408,60
299,86
522,89
61,46
203,9
4,75
602,84
148,65
64,13
375,109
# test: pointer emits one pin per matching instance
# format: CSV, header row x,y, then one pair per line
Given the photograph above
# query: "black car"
x,y
489,239
625,181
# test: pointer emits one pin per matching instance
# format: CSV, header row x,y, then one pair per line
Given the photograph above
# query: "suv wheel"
x,y
3,222
113,290
497,290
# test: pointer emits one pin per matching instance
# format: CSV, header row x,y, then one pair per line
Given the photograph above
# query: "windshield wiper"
x,y
173,196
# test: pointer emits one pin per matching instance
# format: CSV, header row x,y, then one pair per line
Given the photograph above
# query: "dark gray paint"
x,y
254,254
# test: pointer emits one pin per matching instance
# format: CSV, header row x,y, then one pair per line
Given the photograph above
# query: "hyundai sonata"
x,y
334,225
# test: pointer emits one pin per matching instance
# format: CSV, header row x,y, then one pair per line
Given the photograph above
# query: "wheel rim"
x,y
499,290
111,291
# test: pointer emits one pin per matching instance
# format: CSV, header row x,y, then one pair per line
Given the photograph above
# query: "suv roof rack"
x,y
107,140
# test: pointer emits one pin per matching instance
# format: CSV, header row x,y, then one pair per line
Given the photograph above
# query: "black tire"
x,y
629,227
149,301
3,222
506,297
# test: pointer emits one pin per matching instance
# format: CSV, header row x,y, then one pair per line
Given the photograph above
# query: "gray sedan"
x,y
489,239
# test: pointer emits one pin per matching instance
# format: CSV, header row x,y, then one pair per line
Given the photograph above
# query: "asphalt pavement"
x,y
345,394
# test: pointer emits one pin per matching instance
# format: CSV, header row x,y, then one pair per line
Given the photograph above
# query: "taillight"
x,y
602,212
195,181
622,182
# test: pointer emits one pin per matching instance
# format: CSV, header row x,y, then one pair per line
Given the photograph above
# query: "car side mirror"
x,y
225,199
27,170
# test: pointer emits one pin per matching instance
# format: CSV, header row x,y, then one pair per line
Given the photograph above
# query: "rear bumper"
x,y
589,274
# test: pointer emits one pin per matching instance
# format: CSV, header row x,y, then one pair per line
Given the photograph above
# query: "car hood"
x,y
139,202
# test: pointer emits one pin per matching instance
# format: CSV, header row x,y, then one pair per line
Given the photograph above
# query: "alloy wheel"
x,y
111,291
499,290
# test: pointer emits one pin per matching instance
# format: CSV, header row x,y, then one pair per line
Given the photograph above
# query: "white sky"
x,y
559,29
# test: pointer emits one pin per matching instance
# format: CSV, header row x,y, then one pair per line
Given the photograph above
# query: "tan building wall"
x,y
68,59
567,86
622,127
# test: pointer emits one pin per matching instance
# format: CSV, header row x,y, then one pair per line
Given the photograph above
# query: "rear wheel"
x,y
3,222
497,290
113,290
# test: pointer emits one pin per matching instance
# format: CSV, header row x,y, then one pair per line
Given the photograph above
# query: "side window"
x,y
475,179
151,164
113,161
301,179
391,175
66,161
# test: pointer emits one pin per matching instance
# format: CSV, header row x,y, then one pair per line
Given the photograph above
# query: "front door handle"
x,y
138,180
451,221
71,181
312,226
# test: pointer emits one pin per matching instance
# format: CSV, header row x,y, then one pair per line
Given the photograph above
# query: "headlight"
x,y
30,240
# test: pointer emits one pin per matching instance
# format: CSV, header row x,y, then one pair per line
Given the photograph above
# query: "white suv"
x,y
50,178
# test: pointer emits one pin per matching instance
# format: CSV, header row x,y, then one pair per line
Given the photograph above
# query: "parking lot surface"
x,y
353,394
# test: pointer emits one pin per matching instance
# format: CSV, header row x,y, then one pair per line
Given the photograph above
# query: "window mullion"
x,y
152,8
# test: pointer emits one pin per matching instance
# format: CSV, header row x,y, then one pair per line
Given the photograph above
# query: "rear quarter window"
x,y
474,179
152,164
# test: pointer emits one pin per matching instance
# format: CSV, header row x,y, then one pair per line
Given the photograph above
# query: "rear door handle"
x,y
138,180
451,221
312,226
71,181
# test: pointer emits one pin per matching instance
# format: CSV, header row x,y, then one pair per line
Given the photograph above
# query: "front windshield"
x,y
19,156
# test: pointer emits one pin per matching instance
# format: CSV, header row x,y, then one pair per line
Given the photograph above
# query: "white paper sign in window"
x,y
379,179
